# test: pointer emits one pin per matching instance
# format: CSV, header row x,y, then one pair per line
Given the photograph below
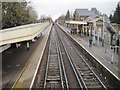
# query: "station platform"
x,y
103,54
25,78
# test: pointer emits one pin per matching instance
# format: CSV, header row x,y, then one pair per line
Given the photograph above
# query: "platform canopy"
x,y
76,22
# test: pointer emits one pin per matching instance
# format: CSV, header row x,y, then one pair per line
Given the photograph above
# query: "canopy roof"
x,y
76,22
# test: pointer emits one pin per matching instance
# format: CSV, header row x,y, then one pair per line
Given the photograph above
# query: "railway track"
x,y
53,77
50,73
55,71
64,66
71,74
86,75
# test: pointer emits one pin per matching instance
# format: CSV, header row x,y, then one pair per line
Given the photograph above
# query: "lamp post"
x,y
99,32
94,23
77,28
83,26
112,56
103,33
90,32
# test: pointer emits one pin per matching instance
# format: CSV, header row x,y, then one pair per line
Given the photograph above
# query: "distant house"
x,y
82,14
95,11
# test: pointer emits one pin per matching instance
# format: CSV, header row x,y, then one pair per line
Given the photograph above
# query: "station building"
x,y
93,24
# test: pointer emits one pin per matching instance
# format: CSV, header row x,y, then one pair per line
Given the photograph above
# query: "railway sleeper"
x,y
53,73
53,84
98,86
84,73
92,83
53,62
53,69
53,78
53,66
54,81
53,55
94,86
84,69
89,78
92,80
87,73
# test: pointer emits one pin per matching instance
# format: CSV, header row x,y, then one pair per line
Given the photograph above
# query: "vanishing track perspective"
x,y
63,66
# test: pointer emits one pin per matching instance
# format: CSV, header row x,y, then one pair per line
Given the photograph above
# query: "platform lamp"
x,y
94,23
103,32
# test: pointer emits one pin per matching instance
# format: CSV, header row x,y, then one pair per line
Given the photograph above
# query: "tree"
x,y
67,17
116,17
117,14
33,14
16,14
110,17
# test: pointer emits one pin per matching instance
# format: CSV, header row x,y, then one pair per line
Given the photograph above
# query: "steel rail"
x,y
85,86
60,68
75,67
47,65
59,64
76,74
66,86
91,69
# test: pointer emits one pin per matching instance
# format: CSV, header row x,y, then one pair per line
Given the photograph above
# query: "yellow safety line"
x,y
23,70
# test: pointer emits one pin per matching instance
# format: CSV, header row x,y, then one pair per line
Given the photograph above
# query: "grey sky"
x,y
55,8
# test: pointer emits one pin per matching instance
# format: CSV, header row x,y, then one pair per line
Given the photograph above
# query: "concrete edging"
x,y
39,61
23,70
113,79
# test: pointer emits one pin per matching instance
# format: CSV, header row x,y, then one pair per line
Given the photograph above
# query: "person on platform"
x,y
117,45
28,46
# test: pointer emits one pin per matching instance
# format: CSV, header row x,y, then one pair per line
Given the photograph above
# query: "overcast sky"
x,y
55,8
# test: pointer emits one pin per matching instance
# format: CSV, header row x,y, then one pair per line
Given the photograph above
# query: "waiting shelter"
x,y
77,26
